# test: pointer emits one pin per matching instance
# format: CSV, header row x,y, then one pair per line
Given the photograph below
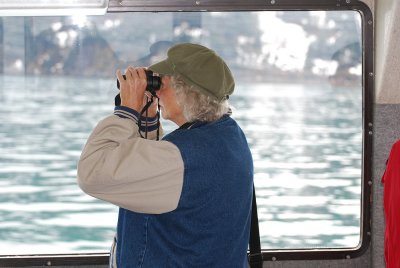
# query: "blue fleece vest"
x,y
211,225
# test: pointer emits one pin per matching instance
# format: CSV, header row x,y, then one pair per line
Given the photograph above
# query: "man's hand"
x,y
132,89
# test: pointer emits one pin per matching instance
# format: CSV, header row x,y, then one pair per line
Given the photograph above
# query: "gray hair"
x,y
197,106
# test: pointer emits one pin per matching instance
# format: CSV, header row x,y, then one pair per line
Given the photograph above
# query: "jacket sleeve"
x,y
140,175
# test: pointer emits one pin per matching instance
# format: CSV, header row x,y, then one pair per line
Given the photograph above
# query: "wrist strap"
x,y
144,111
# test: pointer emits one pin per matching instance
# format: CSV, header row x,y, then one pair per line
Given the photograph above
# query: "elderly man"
x,y
185,201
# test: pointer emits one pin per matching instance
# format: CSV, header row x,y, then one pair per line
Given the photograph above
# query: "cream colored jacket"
x,y
120,167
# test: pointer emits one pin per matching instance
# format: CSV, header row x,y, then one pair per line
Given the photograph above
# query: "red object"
x,y
391,200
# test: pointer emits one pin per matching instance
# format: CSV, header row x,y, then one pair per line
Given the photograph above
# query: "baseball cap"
x,y
198,66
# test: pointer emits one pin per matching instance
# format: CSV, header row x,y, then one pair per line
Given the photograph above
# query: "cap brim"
x,y
163,67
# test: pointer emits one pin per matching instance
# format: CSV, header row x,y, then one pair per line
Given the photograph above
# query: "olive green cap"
x,y
198,66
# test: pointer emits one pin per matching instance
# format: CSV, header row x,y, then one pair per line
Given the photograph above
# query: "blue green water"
x,y
305,140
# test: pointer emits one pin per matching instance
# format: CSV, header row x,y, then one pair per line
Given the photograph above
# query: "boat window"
x,y
298,98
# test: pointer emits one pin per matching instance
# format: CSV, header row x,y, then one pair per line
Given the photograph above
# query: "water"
x,y
305,140
306,143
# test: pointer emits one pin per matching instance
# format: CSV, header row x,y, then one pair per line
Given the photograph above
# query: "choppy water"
x,y
305,140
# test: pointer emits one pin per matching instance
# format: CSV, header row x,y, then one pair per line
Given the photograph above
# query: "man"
x,y
185,201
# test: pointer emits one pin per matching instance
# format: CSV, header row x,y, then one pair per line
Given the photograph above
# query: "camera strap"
x,y
255,257
144,113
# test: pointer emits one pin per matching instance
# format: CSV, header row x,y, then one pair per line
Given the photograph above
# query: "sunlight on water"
x,y
305,140
306,145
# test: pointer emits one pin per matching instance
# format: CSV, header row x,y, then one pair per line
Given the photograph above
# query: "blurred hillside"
x,y
271,46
